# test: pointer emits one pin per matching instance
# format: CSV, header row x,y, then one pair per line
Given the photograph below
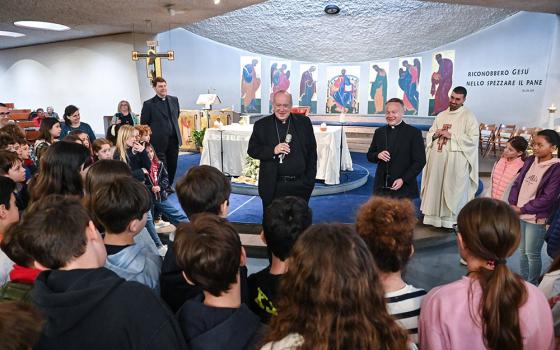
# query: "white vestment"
x,y
450,177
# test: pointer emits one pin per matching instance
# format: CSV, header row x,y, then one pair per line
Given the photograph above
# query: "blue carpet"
x,y
341,207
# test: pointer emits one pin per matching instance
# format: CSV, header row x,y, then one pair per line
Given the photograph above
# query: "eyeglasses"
x,y
4,113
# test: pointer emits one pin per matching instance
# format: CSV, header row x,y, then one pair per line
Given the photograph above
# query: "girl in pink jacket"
x,y
507,167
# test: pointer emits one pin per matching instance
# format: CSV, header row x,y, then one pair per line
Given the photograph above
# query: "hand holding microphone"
x,y
285,148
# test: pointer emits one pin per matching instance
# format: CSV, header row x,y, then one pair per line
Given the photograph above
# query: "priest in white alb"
x,y
450,177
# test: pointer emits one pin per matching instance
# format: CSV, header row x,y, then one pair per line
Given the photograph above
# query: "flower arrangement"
x,y
250,173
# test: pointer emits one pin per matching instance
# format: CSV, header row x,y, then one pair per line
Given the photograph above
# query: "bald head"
x,y
282,104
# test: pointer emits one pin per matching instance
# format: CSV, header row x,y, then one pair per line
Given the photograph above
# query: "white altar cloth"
x,y
235,139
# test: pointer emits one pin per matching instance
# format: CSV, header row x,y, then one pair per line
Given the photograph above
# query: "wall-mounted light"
x,y
217,2
42,25
332,9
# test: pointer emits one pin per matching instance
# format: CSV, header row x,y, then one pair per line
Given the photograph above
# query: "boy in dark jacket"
x,y
284,220
204,189
210,253
87,306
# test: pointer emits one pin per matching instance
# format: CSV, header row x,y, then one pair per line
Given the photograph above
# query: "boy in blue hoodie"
x,y
121,207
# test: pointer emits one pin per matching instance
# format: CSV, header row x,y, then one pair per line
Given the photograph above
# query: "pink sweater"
x,y
446,323
503,174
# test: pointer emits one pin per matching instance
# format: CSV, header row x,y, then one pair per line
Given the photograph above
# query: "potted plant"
x,y
198,136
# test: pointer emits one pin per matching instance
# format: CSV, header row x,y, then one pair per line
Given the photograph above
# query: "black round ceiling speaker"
x,y
332,9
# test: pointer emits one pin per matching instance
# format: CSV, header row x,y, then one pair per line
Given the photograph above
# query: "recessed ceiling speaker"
x,y
332,9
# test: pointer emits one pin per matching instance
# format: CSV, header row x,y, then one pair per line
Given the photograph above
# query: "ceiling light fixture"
x,y
42,25
217,2
332,9
11,34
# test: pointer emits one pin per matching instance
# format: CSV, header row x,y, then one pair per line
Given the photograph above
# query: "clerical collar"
x,y
394,126
281,121
162,98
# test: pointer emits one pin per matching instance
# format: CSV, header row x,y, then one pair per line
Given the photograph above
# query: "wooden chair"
x,y
503,134
31,135
26,124
486,135
18,116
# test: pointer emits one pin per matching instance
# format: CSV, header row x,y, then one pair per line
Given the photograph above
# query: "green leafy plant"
x,y
198,136
251,168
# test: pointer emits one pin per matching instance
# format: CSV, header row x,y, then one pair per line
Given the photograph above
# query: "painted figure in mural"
x,y
413,73
249,86
279,79
378,90
185,131
274,73
404,83
450,177
344,92
307,87
442,81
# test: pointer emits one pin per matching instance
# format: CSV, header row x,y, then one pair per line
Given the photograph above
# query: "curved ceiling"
x,y
363,30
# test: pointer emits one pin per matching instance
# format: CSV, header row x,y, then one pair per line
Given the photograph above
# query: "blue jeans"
x,y
532,240
152,229
175,215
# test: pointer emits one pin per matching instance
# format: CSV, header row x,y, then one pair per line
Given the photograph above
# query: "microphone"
x,y
288,139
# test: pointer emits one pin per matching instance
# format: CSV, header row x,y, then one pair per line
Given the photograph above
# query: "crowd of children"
x,y
81,265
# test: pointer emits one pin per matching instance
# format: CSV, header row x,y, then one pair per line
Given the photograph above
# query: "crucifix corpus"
x,y
442,140
153,59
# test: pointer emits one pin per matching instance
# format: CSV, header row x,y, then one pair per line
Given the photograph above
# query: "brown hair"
x,y
202,190
75,138
116,204
520,144
158,80
10,245
334,303
490,230
8,159
59,171
101,173
143,130
98,143
6,140
45,129
208,250
52,231
20,325
14,130
387,225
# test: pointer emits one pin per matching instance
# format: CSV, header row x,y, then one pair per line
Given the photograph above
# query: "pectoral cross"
x,y
153,59
443,140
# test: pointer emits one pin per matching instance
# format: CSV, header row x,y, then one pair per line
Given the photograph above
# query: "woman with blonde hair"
x,y
132,152
124,115
331,297
491,307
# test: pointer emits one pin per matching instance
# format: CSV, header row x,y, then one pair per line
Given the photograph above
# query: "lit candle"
x,y
552,108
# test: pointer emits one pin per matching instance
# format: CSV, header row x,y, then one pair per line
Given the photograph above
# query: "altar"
x,y
233,140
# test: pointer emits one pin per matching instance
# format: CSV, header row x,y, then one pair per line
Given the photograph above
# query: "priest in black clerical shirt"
x,y
285,144
398,149
161,113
